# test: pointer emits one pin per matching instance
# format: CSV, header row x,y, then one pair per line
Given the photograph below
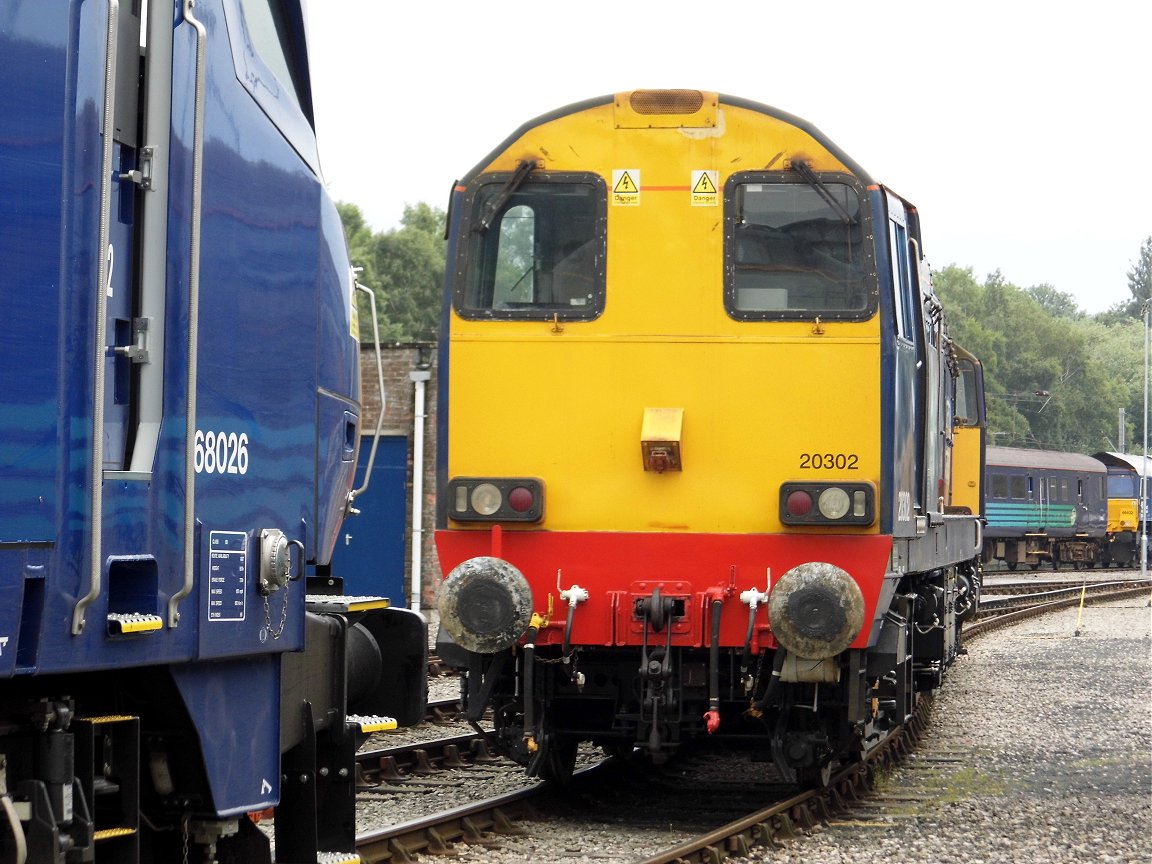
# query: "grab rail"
x,y
193,319
99,385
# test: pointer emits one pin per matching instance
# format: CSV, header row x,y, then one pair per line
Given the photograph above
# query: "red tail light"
x,y
827,503
495,499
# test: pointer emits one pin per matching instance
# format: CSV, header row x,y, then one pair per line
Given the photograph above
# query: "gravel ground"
x,y
1039,749
1017,764
416,800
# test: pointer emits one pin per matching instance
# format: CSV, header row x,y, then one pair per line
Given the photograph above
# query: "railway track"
x,y
485,822
784,813
480,823
1022,600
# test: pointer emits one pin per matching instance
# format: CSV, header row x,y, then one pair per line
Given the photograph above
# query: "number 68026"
x,y
221,452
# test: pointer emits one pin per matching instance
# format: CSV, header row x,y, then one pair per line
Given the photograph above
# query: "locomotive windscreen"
x,y
798,248
542,252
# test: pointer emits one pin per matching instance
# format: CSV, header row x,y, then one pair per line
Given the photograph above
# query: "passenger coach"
x,y
1044,506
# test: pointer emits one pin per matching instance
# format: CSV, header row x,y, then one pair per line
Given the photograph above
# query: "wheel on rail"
x,y
968,584
814,776
555,760
620,752
1011,565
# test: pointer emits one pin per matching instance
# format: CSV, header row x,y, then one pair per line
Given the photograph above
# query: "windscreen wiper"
x,y
803,169
508,190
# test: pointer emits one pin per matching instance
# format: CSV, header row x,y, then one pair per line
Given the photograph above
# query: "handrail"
x,y
96,477
193,319
355,493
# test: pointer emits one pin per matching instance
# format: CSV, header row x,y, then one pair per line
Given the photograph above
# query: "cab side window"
x,y
268,52
268,31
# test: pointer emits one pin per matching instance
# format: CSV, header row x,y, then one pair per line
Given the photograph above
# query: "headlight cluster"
x,y
827,504
495,499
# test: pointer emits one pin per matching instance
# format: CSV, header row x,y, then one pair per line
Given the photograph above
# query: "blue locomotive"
x,y
178,432
1125,526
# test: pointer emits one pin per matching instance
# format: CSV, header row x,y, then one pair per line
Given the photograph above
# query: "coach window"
x,y
535,253
1018,487
795,248
999,486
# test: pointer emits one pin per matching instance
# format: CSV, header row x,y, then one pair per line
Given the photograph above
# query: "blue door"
x,y
369,554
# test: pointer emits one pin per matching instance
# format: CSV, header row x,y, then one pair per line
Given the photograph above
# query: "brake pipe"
x,y
752,598
757,707
712,715
538,621
574,596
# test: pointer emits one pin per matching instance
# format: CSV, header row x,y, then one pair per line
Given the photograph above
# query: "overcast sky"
x,y
1021,130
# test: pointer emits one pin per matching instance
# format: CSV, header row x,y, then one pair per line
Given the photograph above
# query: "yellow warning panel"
x,y
705,188
625,187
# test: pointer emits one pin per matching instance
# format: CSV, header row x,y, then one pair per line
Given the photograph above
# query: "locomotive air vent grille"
x,y
667,109
666,101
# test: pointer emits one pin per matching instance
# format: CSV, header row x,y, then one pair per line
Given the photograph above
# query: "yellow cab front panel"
x,y
737,407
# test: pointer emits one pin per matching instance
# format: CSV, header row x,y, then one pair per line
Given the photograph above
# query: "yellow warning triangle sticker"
x,y
625,186
704,186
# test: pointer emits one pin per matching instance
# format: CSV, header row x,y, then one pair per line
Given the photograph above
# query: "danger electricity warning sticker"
x,y
704,192
626,187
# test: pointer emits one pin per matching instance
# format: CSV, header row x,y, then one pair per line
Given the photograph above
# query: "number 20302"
x,y
838,461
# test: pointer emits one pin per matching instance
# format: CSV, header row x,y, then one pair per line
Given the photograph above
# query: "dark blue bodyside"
x,y
1054,501
893,463
455,217
277,410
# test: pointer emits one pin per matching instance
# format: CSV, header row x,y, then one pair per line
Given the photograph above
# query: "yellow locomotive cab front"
x,y
699,400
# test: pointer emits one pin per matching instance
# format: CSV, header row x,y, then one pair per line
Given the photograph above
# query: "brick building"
x,y
408,367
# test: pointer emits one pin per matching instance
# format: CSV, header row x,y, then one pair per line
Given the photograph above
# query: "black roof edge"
x,y
725,99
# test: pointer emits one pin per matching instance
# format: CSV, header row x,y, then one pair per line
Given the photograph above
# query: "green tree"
x,y
965,303
515,265
410,267
1056,303
1140,279
360,239
1045,388
404,267
1118,349
1139,286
